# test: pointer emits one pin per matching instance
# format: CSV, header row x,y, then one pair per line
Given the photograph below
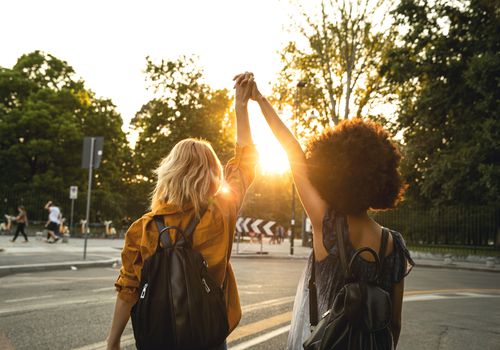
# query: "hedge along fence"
x,y
446,226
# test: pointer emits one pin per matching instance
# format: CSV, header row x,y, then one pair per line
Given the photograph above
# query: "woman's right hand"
x,y
241,85
248,86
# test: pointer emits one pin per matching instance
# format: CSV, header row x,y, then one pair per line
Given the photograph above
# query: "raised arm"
x,y
313,204
243,134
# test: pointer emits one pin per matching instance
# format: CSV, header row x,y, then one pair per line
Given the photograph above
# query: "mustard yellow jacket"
x,y
213,236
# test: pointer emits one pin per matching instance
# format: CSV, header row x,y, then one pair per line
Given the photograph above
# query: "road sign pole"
x,y
71,217
292,221
261,243
238,243
87,214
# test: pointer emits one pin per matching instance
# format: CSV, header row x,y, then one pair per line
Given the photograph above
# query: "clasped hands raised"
x,y
246,88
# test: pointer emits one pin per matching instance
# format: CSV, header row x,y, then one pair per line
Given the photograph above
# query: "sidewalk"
x,y
38,255
252,250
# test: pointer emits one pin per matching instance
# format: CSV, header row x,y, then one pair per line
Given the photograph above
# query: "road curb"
x,y
417,263
13,269
268,256
457,267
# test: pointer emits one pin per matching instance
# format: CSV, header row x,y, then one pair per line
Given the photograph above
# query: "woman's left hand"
x,y
243,84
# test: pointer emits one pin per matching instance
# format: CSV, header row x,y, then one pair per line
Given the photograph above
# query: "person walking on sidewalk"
x,y
191,184
54,221
22,222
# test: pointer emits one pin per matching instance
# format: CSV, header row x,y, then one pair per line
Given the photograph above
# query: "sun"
x,y
272,157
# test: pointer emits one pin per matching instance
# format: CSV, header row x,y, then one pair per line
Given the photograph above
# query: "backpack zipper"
x,y
143,293
207,288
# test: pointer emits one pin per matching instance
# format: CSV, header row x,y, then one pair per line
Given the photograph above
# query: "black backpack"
x,y
361,314
180,306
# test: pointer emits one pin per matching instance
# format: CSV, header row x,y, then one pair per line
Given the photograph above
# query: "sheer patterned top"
x,y
330,276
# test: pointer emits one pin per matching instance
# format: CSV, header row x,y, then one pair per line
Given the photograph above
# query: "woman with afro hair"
x,y
346,171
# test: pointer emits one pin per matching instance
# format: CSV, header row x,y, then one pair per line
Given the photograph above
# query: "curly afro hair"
x,y
354,167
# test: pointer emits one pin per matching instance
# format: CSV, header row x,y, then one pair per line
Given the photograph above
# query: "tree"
x,y
446,71
184,106
44,114
339,61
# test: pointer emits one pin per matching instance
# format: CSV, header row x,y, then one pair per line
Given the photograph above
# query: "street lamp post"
x,y
300,85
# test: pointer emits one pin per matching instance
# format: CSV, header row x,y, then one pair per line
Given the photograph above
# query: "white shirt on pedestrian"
x,y
54,214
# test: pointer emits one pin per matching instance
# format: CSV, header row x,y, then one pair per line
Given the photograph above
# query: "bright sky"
x,y
106,41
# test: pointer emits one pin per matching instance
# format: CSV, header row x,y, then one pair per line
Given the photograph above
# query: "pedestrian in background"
x,y
54,221
21,223
281,234
274,237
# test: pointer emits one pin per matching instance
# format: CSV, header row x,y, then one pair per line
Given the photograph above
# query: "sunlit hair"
x,y
191,173
355,167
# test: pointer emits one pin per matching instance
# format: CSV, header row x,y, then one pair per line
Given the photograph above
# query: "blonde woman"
x,y
190,178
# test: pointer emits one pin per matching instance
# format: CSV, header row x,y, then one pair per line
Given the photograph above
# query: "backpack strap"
x,y
188,232
341,245
383,247
313,296
160,225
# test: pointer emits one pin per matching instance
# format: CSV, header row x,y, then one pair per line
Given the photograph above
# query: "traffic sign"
x,y
259,226
239,221
73,192
255,225
267,228
92,145
245,224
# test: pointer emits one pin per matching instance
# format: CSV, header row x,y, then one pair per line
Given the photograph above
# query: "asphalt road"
x,y
443,309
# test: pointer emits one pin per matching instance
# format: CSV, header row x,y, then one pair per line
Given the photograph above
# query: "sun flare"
x,y
272,158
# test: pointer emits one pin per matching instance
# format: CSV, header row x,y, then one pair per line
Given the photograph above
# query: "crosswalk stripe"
x,y
126,340
30,298
105,289
259,326
267,303
261,338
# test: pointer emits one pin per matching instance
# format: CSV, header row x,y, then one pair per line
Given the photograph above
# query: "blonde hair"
x,y
191,173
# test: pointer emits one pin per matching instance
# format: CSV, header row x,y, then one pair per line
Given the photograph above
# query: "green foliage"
x,y
269,198
184,106
338,56
44,114
446,71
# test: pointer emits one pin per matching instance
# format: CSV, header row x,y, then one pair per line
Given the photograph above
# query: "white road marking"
x,y
423,297
438,296
58,303
32,281
30,298
249,286
267,303
260,339
126,340
105,289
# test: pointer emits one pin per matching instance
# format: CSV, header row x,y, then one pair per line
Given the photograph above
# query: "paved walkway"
x,y
37,253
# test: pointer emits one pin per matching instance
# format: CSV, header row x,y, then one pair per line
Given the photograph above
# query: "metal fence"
x,y
445,226
477,226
